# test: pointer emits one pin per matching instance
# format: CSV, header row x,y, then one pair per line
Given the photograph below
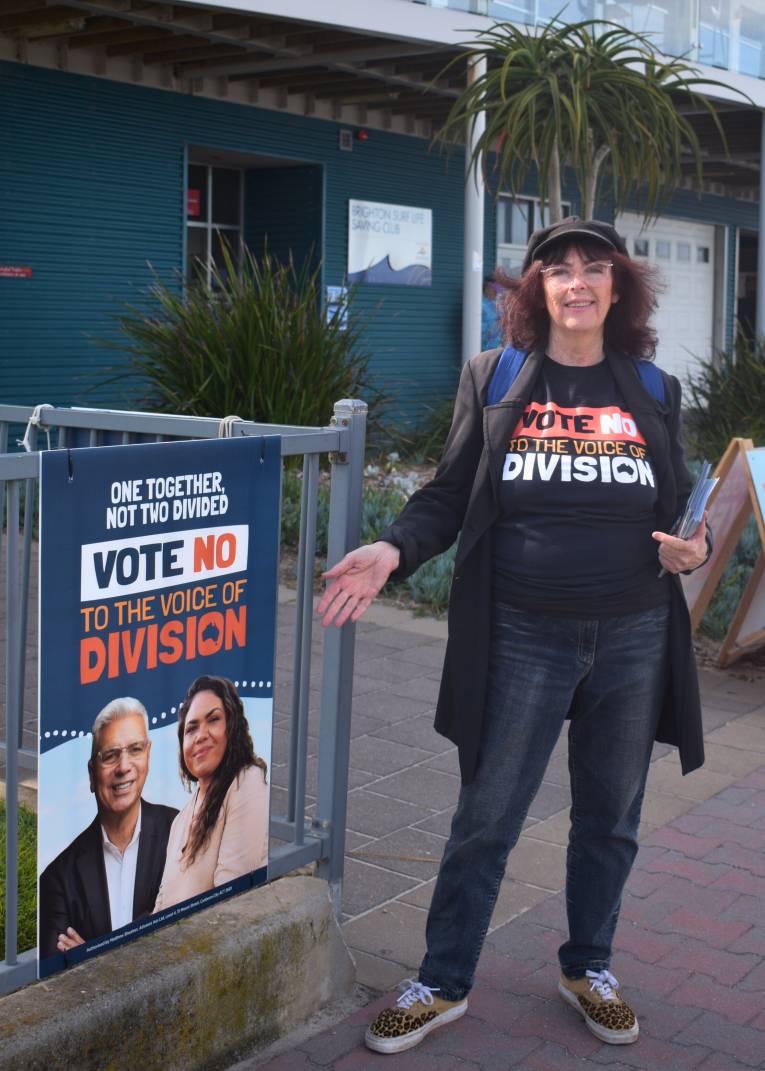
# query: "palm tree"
x,y
590,95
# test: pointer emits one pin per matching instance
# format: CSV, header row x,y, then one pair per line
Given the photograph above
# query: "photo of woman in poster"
x,y
222,832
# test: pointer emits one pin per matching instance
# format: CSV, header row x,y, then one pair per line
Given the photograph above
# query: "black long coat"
x,y
462,498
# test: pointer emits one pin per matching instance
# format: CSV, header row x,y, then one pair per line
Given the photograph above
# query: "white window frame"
x,y
209,225
513,253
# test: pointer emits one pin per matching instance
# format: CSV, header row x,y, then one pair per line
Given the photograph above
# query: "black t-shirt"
x,y
578,502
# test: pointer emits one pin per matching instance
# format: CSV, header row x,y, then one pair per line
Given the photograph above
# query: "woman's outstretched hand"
x,y
355,581
677,555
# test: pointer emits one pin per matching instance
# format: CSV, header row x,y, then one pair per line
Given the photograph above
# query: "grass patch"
x,y
27,927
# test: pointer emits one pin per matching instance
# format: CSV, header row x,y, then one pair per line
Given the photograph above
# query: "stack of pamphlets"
x,y
693,515
697,503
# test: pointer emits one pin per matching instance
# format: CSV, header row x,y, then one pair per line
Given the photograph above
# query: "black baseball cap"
x,y
569,229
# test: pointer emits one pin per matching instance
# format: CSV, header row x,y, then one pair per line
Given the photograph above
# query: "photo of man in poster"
x,y
110,874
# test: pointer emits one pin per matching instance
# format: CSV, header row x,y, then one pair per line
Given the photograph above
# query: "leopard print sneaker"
x,y
605,1013
416,1012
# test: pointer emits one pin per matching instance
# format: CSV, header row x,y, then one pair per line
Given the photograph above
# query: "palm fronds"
x,y
591,94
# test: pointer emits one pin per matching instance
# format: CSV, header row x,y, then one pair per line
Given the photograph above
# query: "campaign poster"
x,y
158,588
755,460
390,244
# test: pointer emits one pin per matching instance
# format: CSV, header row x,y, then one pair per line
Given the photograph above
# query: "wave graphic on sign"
x,y
383,272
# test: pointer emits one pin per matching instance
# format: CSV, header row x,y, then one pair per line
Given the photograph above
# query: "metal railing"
x,y
320,839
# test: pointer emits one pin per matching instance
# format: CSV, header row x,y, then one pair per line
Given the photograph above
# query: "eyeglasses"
x,y
594,273
112,755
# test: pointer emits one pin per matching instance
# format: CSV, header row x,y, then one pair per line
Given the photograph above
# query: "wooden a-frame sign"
x,y
747,629
730,507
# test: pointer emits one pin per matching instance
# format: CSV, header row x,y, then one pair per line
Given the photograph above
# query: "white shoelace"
x,y
603,983
414,991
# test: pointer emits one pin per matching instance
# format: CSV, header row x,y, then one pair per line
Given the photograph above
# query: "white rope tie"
x,y
413,992
34,422
226,426
604,983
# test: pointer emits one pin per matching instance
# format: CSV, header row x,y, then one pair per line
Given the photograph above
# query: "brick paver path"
x,y
690,951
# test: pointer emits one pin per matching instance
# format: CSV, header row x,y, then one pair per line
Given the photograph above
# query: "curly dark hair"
x,y
526,322
239,754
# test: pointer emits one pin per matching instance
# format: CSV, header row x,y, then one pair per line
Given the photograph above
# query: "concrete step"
x,y
194,994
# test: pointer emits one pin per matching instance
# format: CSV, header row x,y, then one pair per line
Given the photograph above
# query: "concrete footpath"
x,y
690,949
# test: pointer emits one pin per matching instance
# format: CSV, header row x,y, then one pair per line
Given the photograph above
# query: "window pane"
x,y
503,214
664,250
641,247
225,199
510,262
683,251
196,253
702,254
520,217
231,241
196,194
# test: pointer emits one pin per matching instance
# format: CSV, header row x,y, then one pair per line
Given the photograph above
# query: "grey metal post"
x,y
11,724
472,255
761,236
337,678
30,490
3,450
302,661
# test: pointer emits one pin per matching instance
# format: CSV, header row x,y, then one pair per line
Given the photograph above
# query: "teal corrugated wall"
x,y
91,179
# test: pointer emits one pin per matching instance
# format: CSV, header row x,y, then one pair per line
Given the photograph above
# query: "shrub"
x,y
379,507
719,613
292,488
382,502
257,343
27,903
426,442
430,585
726,399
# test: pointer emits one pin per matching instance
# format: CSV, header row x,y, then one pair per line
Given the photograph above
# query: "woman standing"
x,y
222,832
562,493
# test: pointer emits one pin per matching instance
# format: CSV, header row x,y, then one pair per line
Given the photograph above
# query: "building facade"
x,y
138,135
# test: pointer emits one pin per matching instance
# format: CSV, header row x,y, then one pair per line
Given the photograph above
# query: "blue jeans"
x,y
609,674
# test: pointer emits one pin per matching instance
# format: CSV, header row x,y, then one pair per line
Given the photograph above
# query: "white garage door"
x,y
684,254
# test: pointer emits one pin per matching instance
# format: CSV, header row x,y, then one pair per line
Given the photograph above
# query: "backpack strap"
x,y
511,361
505,374
651,378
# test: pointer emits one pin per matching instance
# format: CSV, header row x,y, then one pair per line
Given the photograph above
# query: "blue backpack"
x,y
511,362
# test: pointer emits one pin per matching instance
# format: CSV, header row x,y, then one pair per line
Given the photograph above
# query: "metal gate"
x,y
320,839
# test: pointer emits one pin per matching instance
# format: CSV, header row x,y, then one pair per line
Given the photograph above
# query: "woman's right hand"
x,y
355,581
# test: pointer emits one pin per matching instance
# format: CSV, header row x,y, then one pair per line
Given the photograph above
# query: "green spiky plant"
x,y
589,95
257,343
725,399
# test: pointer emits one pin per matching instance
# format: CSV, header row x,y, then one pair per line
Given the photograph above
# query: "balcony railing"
x,y
718,33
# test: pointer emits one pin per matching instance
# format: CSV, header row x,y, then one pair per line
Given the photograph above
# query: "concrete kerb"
x,y
193,995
